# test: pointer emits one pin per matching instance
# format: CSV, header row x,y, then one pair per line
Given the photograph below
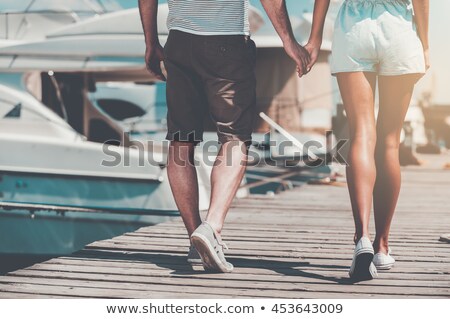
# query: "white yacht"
x,y
61,186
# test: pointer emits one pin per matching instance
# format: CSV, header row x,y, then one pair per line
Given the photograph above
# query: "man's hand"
x,y
153,57
154,53
299,55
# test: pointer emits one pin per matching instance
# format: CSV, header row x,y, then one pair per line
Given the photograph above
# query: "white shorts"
x,y
376,36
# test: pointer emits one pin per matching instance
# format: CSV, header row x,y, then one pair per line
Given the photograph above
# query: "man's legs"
x,y
183,181
186,106
226,176
226,65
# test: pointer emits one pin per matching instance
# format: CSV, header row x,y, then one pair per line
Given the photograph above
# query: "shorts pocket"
x,y
232,58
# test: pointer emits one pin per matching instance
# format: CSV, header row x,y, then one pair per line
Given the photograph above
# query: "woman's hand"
x,y
426,54
421,18
313,49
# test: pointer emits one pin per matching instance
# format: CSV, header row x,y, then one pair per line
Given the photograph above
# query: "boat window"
x,y
101,132
20,111
5,108
120,109
15,112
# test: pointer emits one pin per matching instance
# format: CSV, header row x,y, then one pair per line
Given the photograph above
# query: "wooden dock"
x,y
297,244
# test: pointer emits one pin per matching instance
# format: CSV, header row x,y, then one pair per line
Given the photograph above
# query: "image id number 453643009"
x,y
309,308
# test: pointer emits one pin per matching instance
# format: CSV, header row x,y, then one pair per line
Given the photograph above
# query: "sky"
x,y
437,80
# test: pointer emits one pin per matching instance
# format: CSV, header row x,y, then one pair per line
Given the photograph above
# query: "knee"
x,y
388,144
182,147
181,152
366,138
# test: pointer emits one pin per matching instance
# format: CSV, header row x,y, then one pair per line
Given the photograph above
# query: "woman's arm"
x,y
315,38
422,13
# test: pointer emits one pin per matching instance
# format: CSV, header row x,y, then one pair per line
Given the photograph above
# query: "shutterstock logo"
x,y
286,153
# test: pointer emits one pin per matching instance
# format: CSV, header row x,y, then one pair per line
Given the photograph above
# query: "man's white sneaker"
x,y
210,247
362,267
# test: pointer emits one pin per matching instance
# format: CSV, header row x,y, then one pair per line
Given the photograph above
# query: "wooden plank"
x,y
148,275
166,266
274,264
328,248
222,287
293,252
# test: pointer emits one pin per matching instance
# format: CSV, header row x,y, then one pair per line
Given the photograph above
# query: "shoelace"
x,y
219,241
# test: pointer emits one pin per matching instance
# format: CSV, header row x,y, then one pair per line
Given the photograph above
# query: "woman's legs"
x,y
357,91
395,96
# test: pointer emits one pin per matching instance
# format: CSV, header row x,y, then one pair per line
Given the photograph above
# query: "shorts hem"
x,y
401,73
185,138
394,73
247,139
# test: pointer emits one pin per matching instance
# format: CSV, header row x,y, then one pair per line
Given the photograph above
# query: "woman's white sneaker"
x,y
362,267
383,261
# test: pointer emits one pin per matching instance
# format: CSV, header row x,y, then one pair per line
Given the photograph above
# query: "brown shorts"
x,y
212,75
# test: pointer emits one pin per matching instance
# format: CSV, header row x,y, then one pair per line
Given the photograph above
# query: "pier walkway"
x,y
297,244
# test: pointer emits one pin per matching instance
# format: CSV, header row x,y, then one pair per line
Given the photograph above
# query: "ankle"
x,y
358,236
192,226
216,226
381,245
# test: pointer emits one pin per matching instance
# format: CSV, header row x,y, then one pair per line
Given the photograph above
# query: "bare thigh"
x,y
395,97
357,91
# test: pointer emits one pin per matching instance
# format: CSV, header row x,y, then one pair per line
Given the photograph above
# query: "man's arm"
x,y
154,53
277,12
422,13
315,38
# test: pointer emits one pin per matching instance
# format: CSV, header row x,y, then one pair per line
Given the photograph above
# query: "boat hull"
x,y
143,196
47,233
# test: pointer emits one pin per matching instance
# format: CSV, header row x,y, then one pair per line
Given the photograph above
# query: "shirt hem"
x,y
209,33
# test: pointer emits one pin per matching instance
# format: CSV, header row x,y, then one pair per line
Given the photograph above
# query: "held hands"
x,y
305,57
153,56
300,56
313,49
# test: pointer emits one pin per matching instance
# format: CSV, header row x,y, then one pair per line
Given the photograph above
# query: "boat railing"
x,y
32,208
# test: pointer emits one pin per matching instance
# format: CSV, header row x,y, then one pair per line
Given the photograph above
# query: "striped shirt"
x,y
209,17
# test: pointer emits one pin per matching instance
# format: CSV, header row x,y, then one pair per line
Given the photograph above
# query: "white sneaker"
x,y
210,247
383,261
362,267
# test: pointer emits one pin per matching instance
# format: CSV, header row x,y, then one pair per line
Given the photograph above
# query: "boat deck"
x,y
297,244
